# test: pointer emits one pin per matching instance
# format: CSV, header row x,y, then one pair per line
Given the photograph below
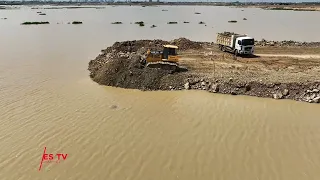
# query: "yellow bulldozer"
x,y
166,59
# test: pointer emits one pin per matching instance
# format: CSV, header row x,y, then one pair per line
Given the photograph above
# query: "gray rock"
x,y
313,96
187,86
215,88
113,107
277,95
309,91
316,100
307,98
170,87
248,87
285,92
230,79
203,83
315,90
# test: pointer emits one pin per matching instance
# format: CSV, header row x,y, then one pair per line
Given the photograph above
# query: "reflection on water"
x,y
47,99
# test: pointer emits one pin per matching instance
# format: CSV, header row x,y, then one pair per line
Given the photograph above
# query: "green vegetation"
x,y
172,23
244,18
287,9
76,22
116,22
305,10
42,14
153,26
141,23
232,21
36,23
201,22
164,10
197,13
277,8
72,7
185,22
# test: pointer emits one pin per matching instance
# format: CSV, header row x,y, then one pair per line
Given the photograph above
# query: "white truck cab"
x,y
244,45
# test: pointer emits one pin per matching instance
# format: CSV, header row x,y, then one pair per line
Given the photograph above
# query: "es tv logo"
x,y
52,157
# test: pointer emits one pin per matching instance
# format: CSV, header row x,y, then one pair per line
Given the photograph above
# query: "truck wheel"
x,y
235,52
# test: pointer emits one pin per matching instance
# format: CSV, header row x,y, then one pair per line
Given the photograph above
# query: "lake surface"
x,y
48,100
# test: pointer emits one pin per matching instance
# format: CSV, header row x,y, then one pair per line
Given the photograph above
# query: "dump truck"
x,y
235,43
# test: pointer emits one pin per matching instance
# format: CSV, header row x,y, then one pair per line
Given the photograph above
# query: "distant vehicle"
x,y
235,43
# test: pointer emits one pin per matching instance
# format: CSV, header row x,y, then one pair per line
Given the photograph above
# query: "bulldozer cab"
x,y
168,51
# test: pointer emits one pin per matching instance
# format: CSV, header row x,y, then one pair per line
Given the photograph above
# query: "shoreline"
x,y
303,6
117,66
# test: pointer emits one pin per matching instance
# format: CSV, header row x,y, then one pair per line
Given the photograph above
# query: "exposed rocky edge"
x,y
264,42
308,92
119,67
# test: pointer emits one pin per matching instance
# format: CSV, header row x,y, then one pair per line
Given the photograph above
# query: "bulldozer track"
x,y
163,65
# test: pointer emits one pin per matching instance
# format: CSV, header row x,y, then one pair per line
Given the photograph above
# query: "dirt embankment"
x,y
209,69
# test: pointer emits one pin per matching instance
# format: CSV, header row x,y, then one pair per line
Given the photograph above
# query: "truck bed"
x,y
227,38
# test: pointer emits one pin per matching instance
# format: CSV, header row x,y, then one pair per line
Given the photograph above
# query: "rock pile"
x,y
312,96
293,91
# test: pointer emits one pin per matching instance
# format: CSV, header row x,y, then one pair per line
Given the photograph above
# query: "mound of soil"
x,y
134,46
130,73
185,44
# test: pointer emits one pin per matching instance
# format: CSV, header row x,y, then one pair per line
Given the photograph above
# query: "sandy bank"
x,y
279,77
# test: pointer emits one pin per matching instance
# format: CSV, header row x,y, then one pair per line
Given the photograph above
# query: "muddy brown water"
x,y
47,99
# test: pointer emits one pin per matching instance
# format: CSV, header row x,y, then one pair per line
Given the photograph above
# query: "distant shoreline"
x,y
311,6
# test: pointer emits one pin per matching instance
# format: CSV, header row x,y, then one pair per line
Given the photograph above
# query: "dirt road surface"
x,y
265,67
304,56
